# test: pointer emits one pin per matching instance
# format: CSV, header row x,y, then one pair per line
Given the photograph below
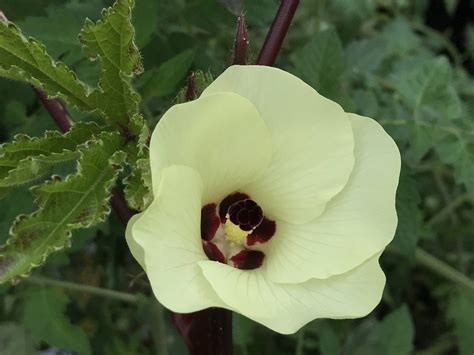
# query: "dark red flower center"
x,y
230,231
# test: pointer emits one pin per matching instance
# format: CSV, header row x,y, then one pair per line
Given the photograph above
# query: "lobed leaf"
x,y
44,317
111,40
320,63
27,159
79,201
409,215
427,89
394,335
164,80
138,188
26,59
460,312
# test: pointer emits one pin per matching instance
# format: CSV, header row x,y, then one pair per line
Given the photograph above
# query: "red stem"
x,y
56,110
207,332
276,34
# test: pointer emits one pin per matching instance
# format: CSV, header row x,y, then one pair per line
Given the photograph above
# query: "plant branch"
x,y
439,267
448,209
102,292
276,34
56,110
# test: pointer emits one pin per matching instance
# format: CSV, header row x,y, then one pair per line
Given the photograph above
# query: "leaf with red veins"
x,y
248,259
263,233
213,252
209,221
229,201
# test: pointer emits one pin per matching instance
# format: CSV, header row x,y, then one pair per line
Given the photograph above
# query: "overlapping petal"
x,y
168,233
285,308
222,136
358,223
135,248
312,141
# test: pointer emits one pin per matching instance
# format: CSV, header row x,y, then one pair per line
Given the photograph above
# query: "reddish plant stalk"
x,y
276,34
56,110
241,44
207,332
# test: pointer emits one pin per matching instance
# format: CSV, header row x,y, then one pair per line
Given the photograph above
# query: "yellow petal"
x,y
358,223
222,136
285,308
312,141
169,235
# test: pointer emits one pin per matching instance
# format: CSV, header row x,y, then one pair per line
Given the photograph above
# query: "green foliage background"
x,y
374,57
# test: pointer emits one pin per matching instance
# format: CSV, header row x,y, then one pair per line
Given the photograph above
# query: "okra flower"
x,y
270,201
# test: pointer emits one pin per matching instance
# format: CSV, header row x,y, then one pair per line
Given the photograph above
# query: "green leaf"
x,y
365,55
329,343
111,40
164,80
409,215
145,21
456,148
427,89
461,313
14,340
394,335
18,201
243,329
27,60
451,6
44,316
79,201
399,38
67,20
138,188
320,63
28,159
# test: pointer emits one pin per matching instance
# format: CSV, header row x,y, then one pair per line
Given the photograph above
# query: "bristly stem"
x,y
276,34
241,44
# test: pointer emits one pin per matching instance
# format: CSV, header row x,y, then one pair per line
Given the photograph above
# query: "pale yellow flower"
x,y
292,198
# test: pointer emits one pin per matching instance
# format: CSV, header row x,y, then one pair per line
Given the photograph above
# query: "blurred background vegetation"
x,y
409,64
